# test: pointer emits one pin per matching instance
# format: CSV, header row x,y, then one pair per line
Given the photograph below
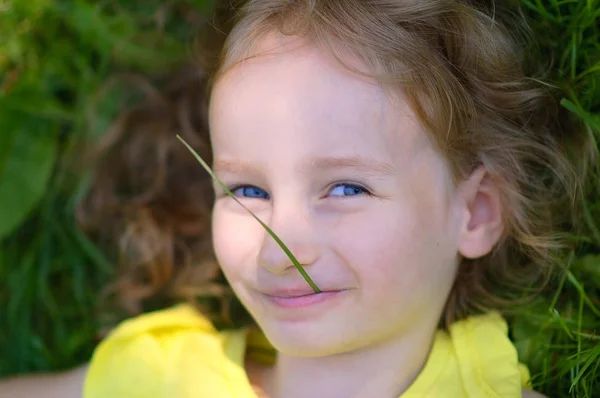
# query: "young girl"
x,y
400,152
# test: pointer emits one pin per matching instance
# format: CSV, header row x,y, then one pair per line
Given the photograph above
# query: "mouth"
x,y
301,298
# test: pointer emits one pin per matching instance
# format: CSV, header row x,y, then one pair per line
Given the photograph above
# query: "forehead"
x,y
289,88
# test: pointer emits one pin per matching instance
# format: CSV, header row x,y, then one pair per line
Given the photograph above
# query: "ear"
x,y
482,225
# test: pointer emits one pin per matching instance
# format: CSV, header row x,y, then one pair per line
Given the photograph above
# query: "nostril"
x,y
273,257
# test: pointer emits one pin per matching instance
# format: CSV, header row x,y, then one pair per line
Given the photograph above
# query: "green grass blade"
x,y
265,226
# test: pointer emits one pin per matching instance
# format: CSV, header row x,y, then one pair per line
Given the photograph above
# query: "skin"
x,y
345,175
59,385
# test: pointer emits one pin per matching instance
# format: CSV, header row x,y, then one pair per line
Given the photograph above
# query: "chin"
x,y
304,339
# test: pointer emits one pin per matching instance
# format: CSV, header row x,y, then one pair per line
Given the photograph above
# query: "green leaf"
x,y
26,163
590,266
592,120
204,6
117,37
265,226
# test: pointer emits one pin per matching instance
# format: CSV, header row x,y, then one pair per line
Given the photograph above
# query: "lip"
x,y
301,298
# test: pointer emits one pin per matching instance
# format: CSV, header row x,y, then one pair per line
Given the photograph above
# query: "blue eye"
x,y
249,191
347,190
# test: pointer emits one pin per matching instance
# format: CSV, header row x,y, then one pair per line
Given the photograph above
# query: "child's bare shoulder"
x,y
532,394
58,385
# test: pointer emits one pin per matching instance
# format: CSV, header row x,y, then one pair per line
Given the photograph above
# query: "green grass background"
x,y
56,58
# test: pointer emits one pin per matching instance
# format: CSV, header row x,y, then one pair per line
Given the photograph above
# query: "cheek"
x,y
232,241
397,247
376,243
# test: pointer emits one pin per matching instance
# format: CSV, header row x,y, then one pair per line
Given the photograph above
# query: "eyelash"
x,y
366,191
352,185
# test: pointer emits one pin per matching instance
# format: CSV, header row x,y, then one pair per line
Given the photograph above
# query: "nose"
x,y
294,228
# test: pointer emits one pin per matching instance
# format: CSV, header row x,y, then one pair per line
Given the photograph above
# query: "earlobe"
x,y
483,223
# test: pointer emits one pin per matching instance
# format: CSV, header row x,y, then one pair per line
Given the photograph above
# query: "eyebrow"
x,y
364,164
233,166
359,163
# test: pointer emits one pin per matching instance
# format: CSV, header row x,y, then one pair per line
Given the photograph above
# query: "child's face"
x,y
348,180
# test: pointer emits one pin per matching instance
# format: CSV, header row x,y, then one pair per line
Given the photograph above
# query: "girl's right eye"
x,y
250,191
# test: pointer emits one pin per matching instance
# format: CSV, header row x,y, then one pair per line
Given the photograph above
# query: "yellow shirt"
x,y
177,353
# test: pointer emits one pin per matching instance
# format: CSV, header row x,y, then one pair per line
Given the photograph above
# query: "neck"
x,y
385,370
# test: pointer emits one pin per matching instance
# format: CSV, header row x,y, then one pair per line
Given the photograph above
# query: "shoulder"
x,y
178,318
137,357
532,394
57,385
487,357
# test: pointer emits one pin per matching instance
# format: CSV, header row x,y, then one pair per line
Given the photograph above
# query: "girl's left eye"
x,y
250,191
347,190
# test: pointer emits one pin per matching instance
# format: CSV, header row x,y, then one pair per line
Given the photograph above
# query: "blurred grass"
x,y
558,335
55,60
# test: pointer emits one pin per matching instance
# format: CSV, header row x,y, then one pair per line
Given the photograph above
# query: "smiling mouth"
x,y
301,299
